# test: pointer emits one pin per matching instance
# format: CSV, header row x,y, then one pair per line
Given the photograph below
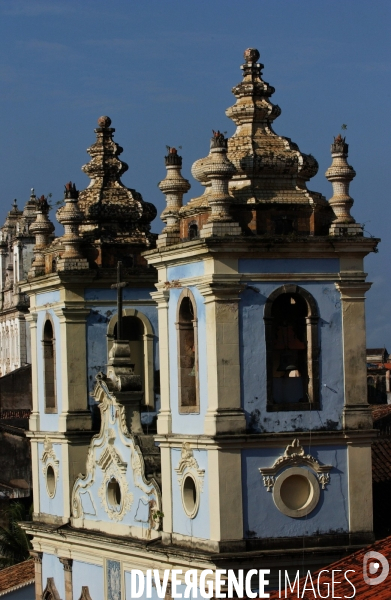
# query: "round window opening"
x,y
50,480
114,493
190,496
296,492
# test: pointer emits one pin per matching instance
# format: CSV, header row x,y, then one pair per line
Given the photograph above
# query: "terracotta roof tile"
x,y
380,410
16,576
353,562
381,460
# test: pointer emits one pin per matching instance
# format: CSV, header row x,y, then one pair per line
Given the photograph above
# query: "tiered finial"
x,y
340,174
42,228
174,186
111,212
219,170
70,217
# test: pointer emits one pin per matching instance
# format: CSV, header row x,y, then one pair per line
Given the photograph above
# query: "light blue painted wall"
x,y
288,265
193,269
51,506
253,361
90,575
48,422
200,525
128,293
25,593
262,517
51,567
187,423
47,298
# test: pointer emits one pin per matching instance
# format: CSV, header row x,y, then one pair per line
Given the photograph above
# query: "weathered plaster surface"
x,y
262,518
50,506
188,423
49,422
253,361
288,265
193,269
199,526
47,298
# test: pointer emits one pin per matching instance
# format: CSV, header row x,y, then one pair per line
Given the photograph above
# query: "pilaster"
x,y
357,414
67,564
360,487
34,417
74,414
225,495
37,556
224,414
164,422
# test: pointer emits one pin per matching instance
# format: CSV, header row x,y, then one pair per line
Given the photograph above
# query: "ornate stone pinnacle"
x,y
218,170
70,217
174,186
112,212
340,174
42,228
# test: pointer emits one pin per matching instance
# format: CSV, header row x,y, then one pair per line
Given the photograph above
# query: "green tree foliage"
x,y
14,543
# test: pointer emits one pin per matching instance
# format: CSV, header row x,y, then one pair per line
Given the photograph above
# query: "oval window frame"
x,y
190,513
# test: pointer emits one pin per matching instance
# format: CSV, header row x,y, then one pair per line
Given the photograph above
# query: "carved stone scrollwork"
x,y
116,485
190,480
50,467
295,488
189,463
293,456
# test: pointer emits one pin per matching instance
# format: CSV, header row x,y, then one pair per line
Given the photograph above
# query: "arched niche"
x,y
187,328
138,330
49,365
292,349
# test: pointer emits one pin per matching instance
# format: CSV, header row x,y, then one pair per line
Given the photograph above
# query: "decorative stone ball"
x,y
104,122
251,55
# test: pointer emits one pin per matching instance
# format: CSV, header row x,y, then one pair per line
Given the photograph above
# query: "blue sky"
x,y
163,71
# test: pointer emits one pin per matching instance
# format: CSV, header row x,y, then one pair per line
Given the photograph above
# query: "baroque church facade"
x,y
199,397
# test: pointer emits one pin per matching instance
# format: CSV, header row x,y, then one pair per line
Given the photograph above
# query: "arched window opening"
x,y
291,320
133,330
290,364
193,231
187,354
49,367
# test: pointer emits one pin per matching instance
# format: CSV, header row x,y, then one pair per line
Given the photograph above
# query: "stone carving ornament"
x,y
49,459
293,456
114,492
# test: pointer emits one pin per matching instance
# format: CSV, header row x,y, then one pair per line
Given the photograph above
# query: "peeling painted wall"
x,y
253,361
261,518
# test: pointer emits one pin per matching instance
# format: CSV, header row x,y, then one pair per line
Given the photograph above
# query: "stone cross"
x,y
118,286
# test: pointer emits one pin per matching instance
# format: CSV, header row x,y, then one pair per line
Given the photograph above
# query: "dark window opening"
x,y
188,363
49,367
289,348
193,231
284,226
